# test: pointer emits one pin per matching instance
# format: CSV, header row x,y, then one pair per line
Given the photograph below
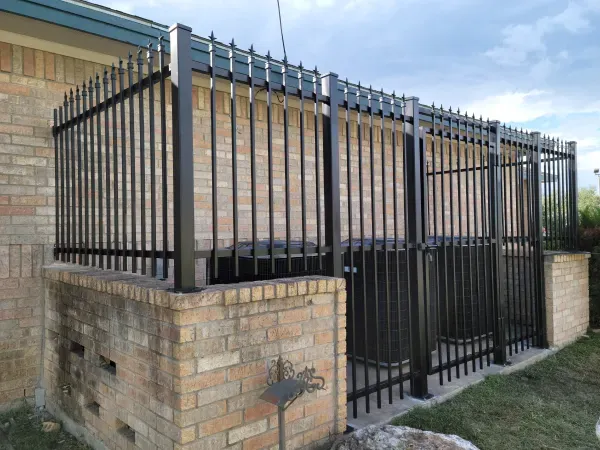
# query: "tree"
x,y
589,208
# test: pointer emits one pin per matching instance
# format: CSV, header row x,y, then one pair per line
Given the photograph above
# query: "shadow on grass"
x,y
25,432
553,404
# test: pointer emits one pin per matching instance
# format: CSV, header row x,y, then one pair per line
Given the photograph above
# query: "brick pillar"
x,y
135,365
567,296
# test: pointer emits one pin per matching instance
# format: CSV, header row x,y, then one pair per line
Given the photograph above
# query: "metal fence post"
x,y
538,238
496,234
415,241
183,157
331,168
575,196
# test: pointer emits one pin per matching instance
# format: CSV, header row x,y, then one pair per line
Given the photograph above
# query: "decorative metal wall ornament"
x,y
285,386
307,376
280,370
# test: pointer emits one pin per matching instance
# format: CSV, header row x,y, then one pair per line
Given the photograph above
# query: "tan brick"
x,y
5,57
262,441
322,311
194,416
194,316
260,321
247,370
49,60
324,337
218,392
199,381
220,424
246,431
295,315
216,361
284,332
259,411
17,59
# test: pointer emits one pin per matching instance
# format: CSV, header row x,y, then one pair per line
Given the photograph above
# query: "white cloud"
x,y
514,106
522,40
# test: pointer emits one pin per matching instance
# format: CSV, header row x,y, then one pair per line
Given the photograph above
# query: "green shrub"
x,y
589,241
589,208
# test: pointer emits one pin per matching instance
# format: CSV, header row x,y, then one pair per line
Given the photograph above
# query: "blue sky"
x,y
531,63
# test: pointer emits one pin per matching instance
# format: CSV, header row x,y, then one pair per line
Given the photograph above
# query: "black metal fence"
x,y
105,158
436,219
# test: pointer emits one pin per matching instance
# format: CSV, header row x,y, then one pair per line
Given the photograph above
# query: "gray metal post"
x,y
281,420
415,240
496,234
183,157
331,165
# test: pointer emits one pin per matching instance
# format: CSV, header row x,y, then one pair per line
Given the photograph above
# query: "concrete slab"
x,y
441,393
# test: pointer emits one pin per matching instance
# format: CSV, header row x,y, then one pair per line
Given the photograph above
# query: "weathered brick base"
x,y
141,367
567,296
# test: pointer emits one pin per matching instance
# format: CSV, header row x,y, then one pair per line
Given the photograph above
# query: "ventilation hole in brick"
x,y
78,349
126,431
108,365
94,408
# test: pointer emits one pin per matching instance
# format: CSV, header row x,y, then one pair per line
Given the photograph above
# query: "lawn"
x,y
553,404
24,432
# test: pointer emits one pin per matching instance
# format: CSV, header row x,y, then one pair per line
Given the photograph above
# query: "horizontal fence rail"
x,y
238,167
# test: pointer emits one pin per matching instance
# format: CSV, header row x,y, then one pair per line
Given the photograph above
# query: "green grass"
x,y
553,404
25,432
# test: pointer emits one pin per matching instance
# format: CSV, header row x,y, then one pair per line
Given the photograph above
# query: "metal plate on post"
x,y
283,391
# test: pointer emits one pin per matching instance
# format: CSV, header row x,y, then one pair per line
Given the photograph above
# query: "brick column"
x,y
138,366
567,296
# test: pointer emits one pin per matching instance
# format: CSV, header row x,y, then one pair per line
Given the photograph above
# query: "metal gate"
x,y
443,260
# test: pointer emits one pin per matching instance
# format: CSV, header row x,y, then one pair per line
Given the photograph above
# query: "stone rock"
x,y
50,427
389,437
598,429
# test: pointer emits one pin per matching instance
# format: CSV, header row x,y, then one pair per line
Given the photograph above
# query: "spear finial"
x,y
149,54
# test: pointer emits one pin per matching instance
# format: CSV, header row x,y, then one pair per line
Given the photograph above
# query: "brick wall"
x,y
567,296
141,367
21,313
